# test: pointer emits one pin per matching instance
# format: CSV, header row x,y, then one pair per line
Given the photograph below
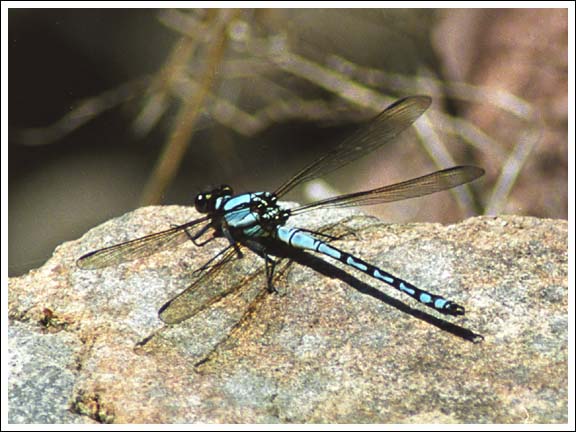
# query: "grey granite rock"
x,y
42,375
330,346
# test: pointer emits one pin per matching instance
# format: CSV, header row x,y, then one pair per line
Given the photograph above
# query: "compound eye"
x,y
206,202
225,190
202,202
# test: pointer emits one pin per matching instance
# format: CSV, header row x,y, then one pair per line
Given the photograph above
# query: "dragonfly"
x,y
256,221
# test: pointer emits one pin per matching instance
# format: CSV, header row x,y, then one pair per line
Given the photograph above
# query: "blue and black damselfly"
x,y
256,221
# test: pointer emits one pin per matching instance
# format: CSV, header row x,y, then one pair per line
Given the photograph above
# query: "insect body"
x,y
256,221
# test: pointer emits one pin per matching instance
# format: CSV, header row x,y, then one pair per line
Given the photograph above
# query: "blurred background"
x,y
113,109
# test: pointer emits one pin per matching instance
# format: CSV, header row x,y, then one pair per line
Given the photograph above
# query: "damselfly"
x,y
256,221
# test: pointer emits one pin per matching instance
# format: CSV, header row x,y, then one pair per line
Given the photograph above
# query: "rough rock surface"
x,y
331,346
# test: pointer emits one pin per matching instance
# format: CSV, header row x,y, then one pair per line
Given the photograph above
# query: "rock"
x,y
42,374
331,346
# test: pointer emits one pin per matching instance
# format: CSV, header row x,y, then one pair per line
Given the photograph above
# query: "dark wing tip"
x,y
474,172
167,315
406,110
84,262
423,102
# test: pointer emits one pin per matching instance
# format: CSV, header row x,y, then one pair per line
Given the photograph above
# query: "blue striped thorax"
x,y
252,214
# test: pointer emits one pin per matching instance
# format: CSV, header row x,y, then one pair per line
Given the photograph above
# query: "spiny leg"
x,y
194,237
270,266
269,262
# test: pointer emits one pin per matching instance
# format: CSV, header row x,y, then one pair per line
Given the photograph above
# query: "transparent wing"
x,y
383,128
138,248
420,186
225,275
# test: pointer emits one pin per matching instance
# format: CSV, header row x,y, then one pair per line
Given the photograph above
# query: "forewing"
x,y
383,128
138,248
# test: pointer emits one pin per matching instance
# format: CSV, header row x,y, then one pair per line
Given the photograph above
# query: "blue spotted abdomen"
x,y
304,240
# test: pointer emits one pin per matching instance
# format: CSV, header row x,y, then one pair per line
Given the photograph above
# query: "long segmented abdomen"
x,y
304,240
